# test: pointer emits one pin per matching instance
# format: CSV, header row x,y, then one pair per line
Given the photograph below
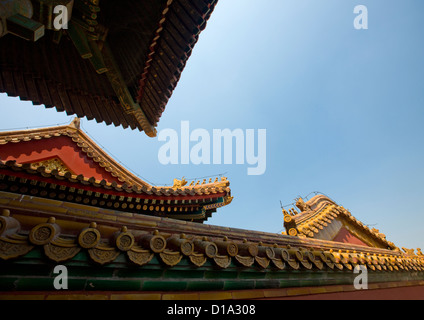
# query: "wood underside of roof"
x,y
151,42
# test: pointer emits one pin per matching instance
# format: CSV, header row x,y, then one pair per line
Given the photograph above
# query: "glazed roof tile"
x,y
194,201
172,240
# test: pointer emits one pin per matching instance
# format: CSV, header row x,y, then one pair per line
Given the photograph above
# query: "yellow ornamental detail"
x,y
53,164
179,183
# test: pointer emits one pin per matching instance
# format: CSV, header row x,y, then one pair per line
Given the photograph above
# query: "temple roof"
x,y
64,163
77,137
322,218
118,62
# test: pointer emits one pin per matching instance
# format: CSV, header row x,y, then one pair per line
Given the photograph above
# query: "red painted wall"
x,y
61,147
344,236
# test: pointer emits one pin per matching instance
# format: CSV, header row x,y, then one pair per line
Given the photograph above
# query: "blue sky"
x,y
343,109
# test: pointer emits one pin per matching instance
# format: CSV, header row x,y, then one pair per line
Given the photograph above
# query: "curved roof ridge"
x,y
321,211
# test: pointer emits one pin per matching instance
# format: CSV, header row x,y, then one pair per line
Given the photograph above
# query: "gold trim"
x,y
52,164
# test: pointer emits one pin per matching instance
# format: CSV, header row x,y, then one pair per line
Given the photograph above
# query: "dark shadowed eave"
x,y
120,67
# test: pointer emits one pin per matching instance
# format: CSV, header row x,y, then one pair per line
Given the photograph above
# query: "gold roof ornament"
x,y
302,205
377,232
409,252
76,123
290,224
179,183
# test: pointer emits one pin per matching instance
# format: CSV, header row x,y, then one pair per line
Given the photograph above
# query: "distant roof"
x,y
321,218
118,62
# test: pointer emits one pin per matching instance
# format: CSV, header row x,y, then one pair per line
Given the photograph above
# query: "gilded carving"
x,y
179,183
52,164
228,200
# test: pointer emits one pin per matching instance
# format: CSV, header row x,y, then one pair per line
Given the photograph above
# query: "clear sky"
x,y
343,109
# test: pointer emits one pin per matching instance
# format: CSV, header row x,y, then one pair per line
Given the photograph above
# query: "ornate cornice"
x,y
42,171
